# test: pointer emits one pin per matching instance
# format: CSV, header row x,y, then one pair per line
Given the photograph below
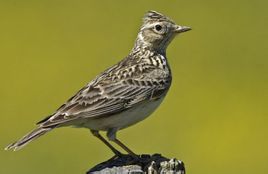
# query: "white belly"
x,y
124,119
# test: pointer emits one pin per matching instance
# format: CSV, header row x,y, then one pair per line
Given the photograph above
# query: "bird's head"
x,y
158,31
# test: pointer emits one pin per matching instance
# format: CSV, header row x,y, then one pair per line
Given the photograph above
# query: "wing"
x,y
105,99
117,89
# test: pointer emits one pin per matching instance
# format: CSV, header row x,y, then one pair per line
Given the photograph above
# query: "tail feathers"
x,y
28,138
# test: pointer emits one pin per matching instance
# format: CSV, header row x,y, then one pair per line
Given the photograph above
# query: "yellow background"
x,y
214,117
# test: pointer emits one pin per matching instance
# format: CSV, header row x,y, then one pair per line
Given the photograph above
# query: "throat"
x,y
146,49
142,44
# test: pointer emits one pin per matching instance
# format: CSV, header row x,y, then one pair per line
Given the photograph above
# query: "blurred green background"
x,y
215,117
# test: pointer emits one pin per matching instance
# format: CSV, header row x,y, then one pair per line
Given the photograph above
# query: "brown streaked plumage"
x,y
122,95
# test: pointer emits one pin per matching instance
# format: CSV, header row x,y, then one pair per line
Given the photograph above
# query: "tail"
x,y
28,138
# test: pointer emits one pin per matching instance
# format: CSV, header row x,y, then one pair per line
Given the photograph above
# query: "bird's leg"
x,y
111,134
124,147
98,135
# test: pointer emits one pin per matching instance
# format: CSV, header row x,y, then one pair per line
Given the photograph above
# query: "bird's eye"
x,y
158,27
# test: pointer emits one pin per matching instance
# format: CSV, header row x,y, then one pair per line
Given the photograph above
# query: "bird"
x,y
122,95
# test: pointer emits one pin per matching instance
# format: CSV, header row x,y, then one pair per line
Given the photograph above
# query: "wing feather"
x,y
99,99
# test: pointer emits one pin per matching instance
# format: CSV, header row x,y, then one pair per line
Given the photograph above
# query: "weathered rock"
x,y
151,164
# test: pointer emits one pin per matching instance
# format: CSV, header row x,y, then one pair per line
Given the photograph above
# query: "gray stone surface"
x,y
151,164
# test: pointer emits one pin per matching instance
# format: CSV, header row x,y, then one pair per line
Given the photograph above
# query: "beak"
x,y
181,29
